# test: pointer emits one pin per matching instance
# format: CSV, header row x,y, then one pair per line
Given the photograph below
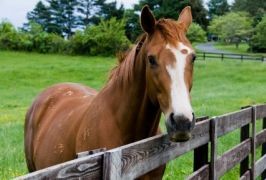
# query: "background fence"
x,y
224,56
136,159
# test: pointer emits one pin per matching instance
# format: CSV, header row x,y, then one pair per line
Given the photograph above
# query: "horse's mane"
x,y
171,31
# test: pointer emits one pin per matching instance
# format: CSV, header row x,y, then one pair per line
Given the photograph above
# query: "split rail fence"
x,y
224,56
133,160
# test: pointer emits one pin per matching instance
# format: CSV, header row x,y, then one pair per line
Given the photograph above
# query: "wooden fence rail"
x,y
133,160
224,56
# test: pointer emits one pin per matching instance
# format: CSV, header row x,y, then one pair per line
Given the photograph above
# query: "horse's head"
x,y
169,70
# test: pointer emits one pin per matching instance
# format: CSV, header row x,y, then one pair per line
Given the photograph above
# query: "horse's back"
x,y
51,123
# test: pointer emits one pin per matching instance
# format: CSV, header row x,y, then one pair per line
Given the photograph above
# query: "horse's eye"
x,y
194,57
152,60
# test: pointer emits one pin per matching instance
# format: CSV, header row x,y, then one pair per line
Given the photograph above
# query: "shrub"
x,y
258,40
106,38
48,43
196,33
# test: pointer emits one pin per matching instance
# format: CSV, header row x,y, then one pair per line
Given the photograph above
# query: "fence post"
x,y
241,57
200,153
244,134
253,143
222,56
203,55
262,58
112,165
263,151
213,136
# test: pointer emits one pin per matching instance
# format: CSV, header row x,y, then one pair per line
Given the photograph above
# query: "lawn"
x,y
219,87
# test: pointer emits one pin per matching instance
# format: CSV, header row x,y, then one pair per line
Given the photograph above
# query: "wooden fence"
x,y
224,56
133,160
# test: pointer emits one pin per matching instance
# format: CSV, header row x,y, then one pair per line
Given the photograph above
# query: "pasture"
x,y
219,87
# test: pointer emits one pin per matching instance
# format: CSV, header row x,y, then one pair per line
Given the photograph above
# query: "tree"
x,y
256,8
40,15
85,8
163,9
63,19
217,7
232,27
171,9
258,41
196,33
106,11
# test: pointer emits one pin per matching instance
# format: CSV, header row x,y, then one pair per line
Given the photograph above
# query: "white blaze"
x,y
179,93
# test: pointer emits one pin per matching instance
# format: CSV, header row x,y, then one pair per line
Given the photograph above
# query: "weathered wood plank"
x,y
261,138
200,174
263,149
260,166
112,165
91,152
229,122
89,167
232,157
246,175
253,142
261,111
143,156
200,153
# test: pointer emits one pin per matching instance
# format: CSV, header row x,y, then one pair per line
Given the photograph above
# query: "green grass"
x,y
219,87
242,48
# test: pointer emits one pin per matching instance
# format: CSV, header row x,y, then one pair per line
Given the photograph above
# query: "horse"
x,y
154,77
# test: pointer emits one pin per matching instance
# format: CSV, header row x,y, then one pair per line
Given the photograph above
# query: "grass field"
x,y
219,87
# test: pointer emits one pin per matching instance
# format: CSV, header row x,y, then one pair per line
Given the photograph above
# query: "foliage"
x,y
106,38
107,10
196,33
171,9
85,9
258,41
40,15
218,7
232,27
256,8
10,39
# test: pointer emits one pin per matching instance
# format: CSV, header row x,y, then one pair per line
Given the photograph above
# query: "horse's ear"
x,y
185,17
147,20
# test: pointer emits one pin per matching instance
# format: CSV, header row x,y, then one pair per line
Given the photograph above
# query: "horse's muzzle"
x,y
179,127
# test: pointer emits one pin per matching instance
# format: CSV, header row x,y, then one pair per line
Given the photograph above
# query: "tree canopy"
x,y
232,27
217,7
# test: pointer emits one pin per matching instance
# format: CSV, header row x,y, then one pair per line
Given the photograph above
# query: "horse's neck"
x,y
134,111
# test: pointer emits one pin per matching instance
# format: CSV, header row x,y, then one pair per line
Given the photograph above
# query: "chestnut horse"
x,y
154,76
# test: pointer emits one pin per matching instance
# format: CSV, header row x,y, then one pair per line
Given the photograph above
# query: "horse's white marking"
x,y
179,93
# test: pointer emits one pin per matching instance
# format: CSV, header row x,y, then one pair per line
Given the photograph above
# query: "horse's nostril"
x,y
172,120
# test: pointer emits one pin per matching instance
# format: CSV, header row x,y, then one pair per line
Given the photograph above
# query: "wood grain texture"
x,y
260,166
201,153
200,174
146,155
87,167
246,175
229,122
263,149
253,142
261,111
232,157
112,165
